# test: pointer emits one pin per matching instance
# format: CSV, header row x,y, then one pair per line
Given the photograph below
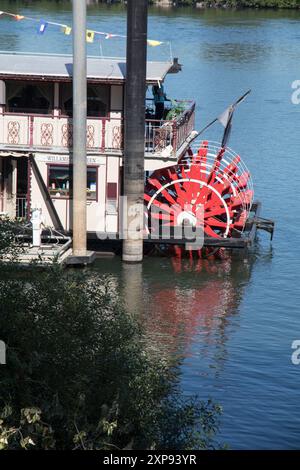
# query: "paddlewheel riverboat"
x,y
36,154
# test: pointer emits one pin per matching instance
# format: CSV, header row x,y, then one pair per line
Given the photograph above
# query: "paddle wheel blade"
x,y
210,187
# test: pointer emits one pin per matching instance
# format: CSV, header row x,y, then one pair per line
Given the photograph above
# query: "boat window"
x,y
60,182
29,97
98,97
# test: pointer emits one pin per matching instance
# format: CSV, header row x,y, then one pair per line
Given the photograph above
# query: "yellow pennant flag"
x,y
154,43
67,30
90,36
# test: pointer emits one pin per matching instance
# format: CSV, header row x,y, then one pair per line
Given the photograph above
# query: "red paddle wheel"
x,y
210,187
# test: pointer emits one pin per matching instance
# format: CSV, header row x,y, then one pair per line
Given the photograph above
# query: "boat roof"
x,y
60,67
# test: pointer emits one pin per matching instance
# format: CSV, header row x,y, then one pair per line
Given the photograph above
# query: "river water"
x,y
231,323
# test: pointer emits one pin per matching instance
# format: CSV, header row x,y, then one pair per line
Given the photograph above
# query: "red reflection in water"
x,y
199,304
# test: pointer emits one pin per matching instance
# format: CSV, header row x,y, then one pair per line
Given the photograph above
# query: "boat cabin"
x,y
36,136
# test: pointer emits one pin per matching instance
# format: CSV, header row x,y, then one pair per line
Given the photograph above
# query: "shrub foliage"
x,y
79,374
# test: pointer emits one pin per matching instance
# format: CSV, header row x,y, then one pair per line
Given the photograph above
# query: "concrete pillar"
x,y
80,255
134,145
79,128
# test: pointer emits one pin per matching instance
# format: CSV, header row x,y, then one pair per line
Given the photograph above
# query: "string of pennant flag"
x,y
67,30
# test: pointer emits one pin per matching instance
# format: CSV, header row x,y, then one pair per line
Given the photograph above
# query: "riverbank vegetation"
x,y
79,373
295,4
200,4
234,4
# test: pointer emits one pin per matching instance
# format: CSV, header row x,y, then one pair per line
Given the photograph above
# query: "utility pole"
x,y
134,146
80,254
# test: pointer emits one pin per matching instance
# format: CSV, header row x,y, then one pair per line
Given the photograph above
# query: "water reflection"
x,y
132,281
188,307
194,307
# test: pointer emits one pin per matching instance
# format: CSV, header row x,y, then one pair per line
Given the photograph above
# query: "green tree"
x,y
80,375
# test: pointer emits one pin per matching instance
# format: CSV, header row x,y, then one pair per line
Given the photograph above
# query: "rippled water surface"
x,y
231,322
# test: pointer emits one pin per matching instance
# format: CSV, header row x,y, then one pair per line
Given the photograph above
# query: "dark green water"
x,y
231,322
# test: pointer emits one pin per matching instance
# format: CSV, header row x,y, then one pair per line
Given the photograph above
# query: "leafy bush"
x,y
9,246
79,374
176,110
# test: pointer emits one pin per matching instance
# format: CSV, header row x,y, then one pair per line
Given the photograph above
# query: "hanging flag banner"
x,y
90,36
67,30
154,43
42,27
109,35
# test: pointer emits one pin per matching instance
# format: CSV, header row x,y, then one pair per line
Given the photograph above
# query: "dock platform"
x,y
49,252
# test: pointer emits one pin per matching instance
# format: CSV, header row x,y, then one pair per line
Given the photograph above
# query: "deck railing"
x,y
185,124
53,132
159,135
169,134
48,132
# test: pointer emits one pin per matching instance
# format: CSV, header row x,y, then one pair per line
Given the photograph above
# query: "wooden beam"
x,y
46,196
